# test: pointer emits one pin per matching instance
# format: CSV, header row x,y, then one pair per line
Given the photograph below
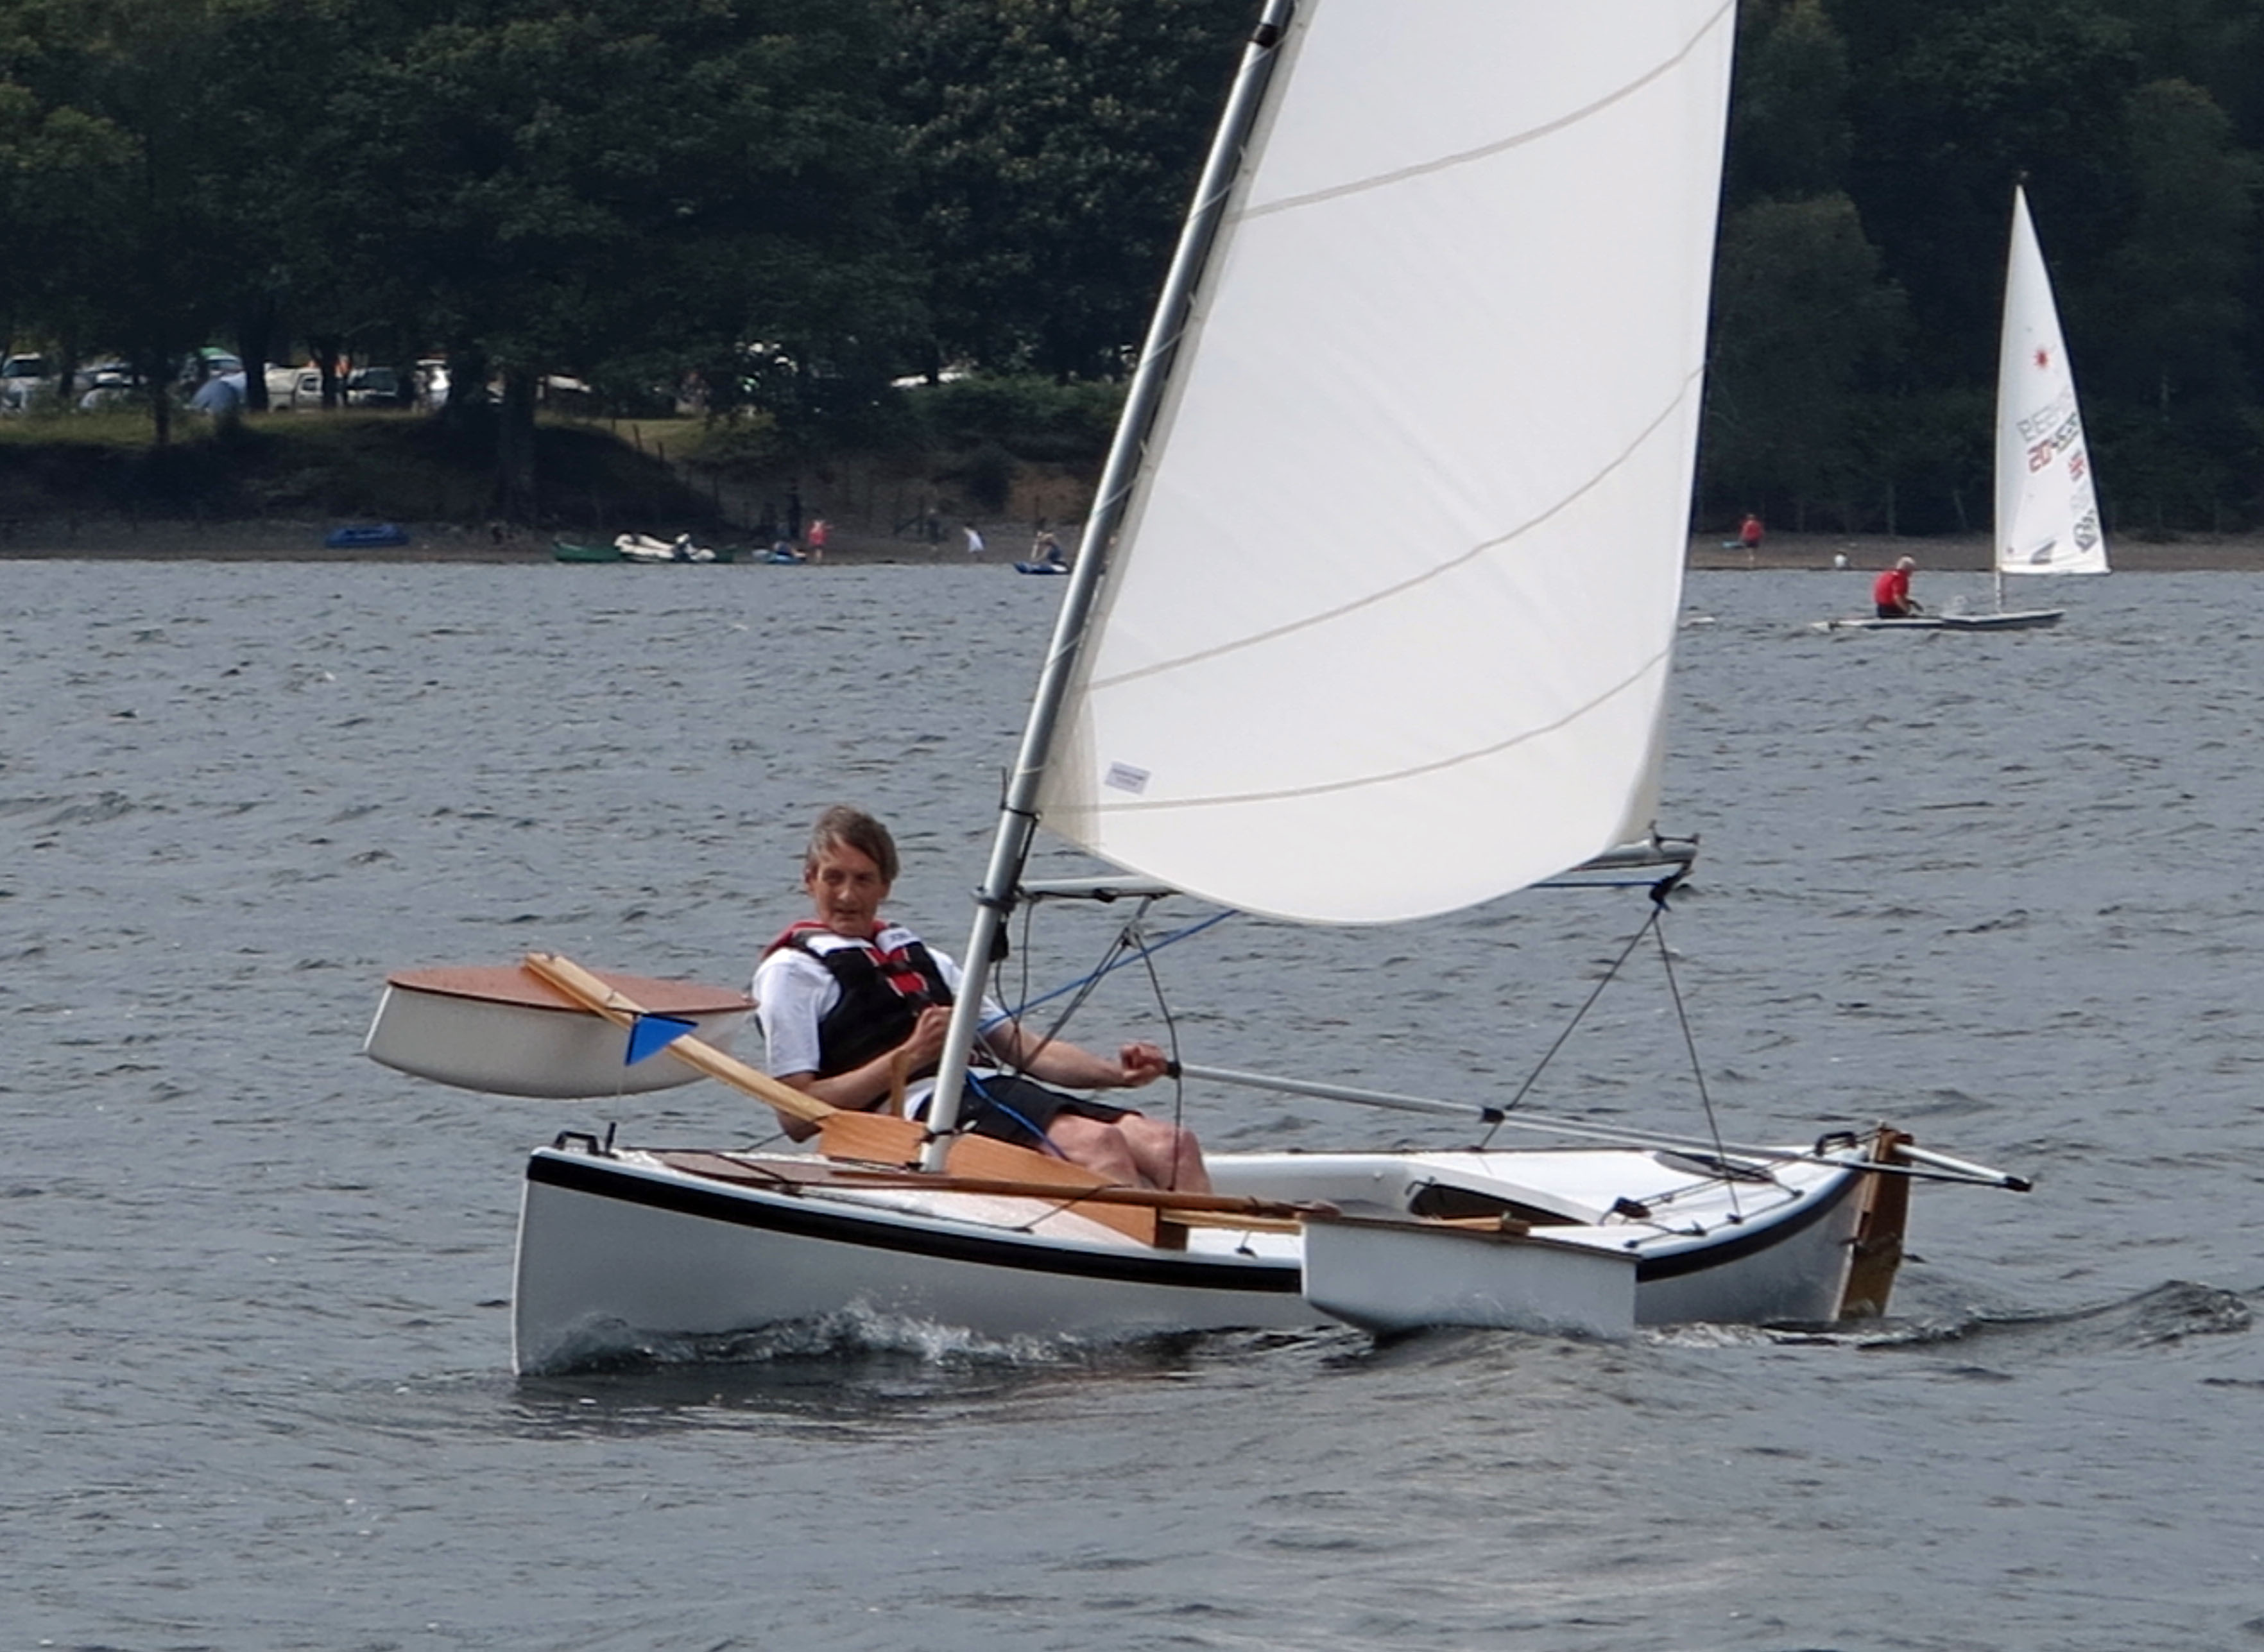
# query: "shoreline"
x,y
125,539
1968,553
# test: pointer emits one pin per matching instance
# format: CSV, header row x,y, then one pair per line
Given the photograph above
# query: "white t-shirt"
x,y
793,990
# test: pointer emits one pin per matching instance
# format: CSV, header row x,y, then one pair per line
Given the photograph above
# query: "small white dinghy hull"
x,y
629,1251
2015,620
1389,1277
622,1255
500,1028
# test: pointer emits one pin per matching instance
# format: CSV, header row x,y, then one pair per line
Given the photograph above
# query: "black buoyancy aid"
x,y
883,994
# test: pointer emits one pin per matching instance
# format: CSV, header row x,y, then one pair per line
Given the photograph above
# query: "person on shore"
x,y
1047,549
1749,533
846,998
974,539
1891,592
818,531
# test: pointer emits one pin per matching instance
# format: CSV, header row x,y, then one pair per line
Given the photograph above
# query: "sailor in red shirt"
x,y
1891,592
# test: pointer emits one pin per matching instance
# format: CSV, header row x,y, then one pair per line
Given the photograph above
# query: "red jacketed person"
x,y
1891,592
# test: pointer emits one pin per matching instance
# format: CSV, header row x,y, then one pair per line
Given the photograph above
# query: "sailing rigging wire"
x,y
1653,926
1689,1039
1130,944
1133,945
1115,958
1658,906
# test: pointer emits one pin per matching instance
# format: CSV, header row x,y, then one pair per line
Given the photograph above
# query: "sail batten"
x,y
1445,163
1321,788
1373,598
1402,560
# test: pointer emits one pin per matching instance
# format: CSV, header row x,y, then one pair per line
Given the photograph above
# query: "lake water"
x,y
254,1358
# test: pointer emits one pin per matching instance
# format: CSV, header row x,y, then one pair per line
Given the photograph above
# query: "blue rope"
x,y
1083,981
1147,948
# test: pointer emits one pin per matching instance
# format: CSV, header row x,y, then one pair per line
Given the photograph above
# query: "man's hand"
x,y
1142,1064
924,1048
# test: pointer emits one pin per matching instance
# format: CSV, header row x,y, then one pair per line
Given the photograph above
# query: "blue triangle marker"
x,y
650,1035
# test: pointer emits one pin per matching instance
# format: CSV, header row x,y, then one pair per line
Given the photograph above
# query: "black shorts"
x,y
1021,1111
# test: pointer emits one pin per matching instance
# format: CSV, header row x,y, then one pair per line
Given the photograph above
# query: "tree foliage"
x,y
1805,325
782,204
1053,144
1905,125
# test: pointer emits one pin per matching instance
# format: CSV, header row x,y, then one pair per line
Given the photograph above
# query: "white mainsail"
x,y
2047,512
1387,630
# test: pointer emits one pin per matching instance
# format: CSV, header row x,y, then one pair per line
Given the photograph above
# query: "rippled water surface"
x,y
254,1356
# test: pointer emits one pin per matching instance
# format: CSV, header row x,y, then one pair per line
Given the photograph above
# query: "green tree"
x,y
123,94
54,164
1789,133
2217,45
146,183
1802,323
2171,310
1053,144
1954,100
554,188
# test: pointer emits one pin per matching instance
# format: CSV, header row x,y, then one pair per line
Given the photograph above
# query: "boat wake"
x,y
857,1336
874,1352
2165,1315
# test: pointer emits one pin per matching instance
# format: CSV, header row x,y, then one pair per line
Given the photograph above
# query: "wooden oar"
x,y
864,1137
841,1134
1156,1199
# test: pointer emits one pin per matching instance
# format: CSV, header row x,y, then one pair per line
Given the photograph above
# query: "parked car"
x,y
108,384
22,379
376,386
89,373
305,390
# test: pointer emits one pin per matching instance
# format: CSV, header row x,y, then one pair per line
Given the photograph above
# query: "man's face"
x,y
847,889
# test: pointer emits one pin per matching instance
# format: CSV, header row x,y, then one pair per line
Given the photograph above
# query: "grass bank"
x,y
592,477
346,465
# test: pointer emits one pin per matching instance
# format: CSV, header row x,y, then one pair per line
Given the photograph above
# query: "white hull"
x,y
644,548
632,1250
500,1030
1393,1277
2013,620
